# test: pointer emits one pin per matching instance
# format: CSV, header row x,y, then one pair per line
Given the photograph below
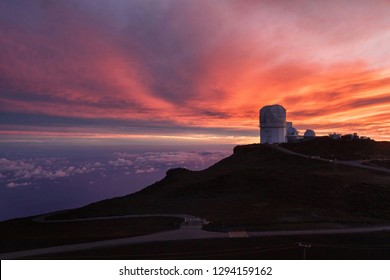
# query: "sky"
x,y
169,71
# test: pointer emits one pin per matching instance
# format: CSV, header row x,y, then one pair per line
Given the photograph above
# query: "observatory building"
x,y
275,129
272,124
309,134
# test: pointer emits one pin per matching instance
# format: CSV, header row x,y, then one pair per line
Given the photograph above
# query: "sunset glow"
x,y
192,70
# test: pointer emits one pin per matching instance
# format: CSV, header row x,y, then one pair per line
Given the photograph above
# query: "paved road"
x,y
185,232
192,229
43,218
319,231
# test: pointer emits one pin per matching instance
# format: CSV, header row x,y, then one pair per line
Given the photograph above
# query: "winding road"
x,y
191,229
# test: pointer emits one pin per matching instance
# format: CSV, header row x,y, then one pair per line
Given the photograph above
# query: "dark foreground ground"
x,y
356,246
25,234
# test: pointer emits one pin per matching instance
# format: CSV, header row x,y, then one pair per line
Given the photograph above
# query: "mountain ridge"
x,y
259,185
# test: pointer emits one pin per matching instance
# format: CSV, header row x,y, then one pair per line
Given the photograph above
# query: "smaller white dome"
x,y
309,133
292,131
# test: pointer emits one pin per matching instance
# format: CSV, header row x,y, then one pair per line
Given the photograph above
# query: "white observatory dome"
x,y
272,116
309,133
292,131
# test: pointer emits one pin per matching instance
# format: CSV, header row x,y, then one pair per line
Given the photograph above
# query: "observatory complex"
x,y
275,129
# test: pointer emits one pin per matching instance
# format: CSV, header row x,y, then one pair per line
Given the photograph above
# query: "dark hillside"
x,y
342,149
259,187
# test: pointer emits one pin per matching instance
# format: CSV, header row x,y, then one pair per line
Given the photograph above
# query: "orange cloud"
x,y
197,65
